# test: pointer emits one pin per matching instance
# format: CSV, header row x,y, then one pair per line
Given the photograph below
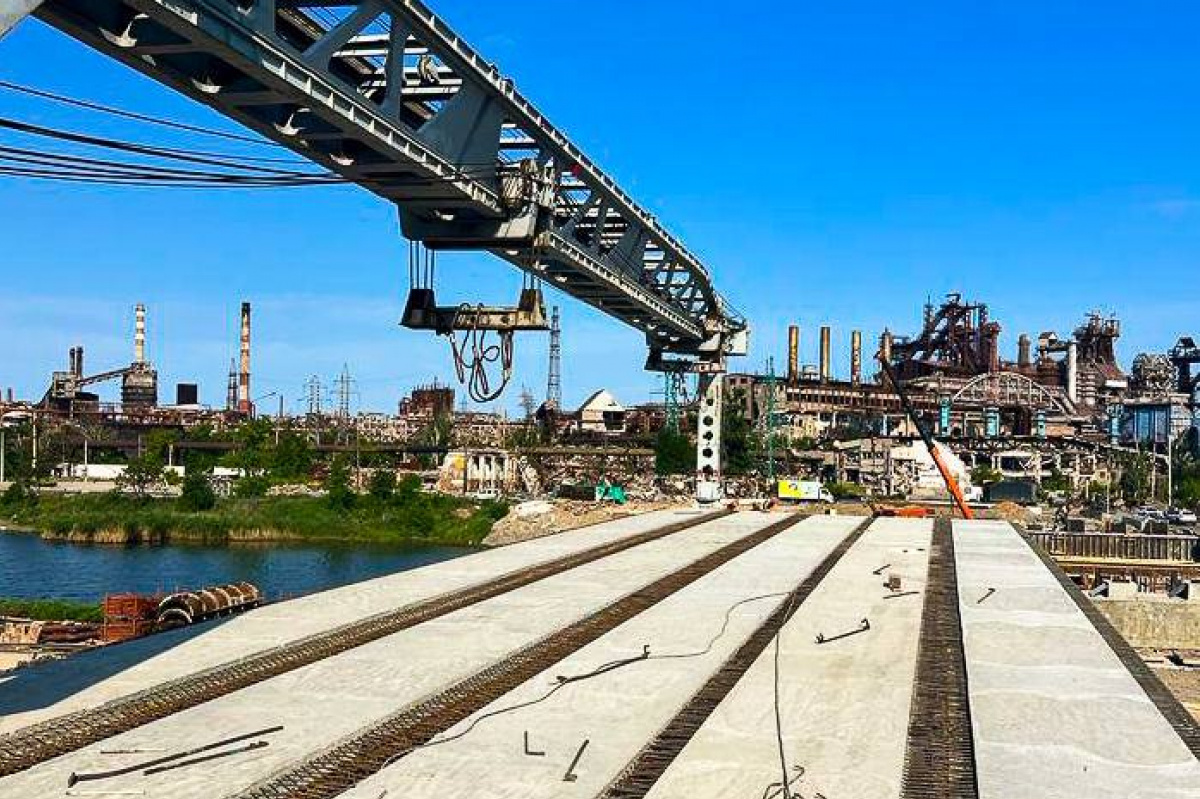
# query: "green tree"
x,y
737,439
840,491
196,459
18,453
407,489
141,475
252,440
438,432
982,475
197,493
292,457
1056,481
251,486
383,484
673,453
17,494
1135,478
339,494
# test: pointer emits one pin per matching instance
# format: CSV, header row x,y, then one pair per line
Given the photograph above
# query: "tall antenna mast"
x,y
344,384
554,377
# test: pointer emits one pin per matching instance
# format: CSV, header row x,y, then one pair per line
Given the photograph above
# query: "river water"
x,y
31,567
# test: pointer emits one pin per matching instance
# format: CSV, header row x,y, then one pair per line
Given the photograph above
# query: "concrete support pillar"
x,y
13,11
708,439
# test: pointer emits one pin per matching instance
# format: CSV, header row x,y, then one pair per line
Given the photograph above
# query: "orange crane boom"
x,y
951,484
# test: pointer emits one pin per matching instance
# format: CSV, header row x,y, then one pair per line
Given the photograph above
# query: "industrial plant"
x,y
1062,405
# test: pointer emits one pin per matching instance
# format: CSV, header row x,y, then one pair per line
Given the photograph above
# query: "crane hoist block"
x,y
421,312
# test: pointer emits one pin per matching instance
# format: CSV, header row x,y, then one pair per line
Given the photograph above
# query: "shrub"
x,y
383,484
339,495
198,494
251,486
841,491
16,495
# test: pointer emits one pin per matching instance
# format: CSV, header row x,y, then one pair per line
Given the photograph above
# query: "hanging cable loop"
x,y
473,355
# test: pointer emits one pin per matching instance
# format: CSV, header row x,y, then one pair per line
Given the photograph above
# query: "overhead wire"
x,y
77,168
169,153
120,112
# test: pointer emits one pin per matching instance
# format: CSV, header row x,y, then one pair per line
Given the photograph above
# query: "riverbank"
x,y
119,520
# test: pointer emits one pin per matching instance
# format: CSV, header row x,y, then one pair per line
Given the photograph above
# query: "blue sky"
x,y
832,163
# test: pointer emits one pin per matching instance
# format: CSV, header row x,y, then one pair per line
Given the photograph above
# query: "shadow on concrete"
x,y
40,685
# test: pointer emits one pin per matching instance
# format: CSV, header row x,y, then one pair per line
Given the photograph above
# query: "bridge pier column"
x,y
13,11
708,439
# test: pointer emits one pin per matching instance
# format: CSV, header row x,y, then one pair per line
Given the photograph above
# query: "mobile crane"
x,y
906,403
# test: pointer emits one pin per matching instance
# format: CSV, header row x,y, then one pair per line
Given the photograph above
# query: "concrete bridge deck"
x,y
1051,708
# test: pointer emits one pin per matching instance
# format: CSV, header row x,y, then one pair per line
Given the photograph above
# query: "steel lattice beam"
x,y
384,93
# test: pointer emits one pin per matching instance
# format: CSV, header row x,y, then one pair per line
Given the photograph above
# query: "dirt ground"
x,y
1185,684
544,517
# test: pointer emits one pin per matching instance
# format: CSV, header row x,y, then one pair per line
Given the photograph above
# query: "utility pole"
x,y
1170,469
344,383
313,387
770,425
279,419
528,406
554,375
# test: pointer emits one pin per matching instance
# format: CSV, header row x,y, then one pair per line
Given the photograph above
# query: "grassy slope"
x,y
413,517
50,610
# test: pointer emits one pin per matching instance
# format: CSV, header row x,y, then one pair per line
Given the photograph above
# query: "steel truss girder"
x,y
384,93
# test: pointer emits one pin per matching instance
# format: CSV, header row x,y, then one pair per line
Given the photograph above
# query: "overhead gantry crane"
x,y
388,96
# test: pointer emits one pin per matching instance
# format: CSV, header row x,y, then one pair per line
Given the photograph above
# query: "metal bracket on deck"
x,y
863,626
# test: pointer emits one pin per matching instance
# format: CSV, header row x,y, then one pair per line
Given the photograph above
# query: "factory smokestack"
x,y
885,345
72,359
79,361
793,363
825,361
1073,371
139,334
1023,359
244,405
855,357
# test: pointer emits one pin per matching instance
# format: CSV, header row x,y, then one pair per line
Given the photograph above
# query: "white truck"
x,y
803,491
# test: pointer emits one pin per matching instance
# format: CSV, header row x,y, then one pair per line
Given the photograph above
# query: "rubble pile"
x,y
538,518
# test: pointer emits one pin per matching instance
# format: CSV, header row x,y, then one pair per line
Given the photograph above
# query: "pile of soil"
x,y
545,517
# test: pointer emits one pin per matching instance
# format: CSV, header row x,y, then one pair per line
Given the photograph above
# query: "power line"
x,y
105,109
170,153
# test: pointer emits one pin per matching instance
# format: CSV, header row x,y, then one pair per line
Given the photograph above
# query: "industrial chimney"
x,y
885,345
139,334
1023,359
244,405
855,357
793,363
79,361
825,362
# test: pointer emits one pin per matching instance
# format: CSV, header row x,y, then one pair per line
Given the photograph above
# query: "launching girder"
x,y
385,94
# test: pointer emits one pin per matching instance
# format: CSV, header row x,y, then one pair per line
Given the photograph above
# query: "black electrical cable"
x,y
91,106
60,177
207,159
24,155
561,681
